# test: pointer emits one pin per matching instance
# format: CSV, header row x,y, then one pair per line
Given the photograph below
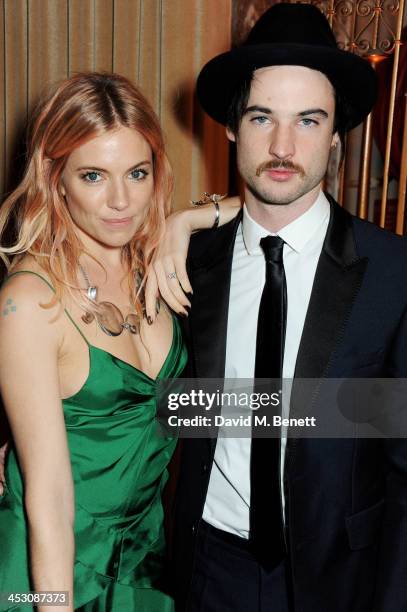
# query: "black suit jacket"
x,y
346,498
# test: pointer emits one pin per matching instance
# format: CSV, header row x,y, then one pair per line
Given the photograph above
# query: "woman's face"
x,y
108,186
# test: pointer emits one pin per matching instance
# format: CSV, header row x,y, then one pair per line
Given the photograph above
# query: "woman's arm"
x,y
29,383
172,253
3,452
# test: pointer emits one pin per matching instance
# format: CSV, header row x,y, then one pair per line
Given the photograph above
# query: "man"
x,y
335,538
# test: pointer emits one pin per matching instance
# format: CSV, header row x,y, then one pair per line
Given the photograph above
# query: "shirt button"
x,y
204,468
193,528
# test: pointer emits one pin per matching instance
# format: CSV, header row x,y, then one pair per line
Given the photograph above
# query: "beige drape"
x,y
160,44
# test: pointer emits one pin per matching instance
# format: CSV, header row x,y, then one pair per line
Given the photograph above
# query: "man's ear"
x,y
231,136
335,140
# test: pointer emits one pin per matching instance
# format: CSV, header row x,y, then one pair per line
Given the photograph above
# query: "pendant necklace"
x,y
109,317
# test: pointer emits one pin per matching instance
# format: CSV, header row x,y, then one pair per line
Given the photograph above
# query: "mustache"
x,y
283,164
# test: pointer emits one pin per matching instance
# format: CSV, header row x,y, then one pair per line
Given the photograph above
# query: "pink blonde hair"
x,y
79,109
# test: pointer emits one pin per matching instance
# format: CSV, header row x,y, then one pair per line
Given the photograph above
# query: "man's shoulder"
x,y
370,240
209,245
376,242
386,254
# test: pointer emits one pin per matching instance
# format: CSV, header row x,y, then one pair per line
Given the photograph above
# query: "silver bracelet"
x,y
215,198
216,222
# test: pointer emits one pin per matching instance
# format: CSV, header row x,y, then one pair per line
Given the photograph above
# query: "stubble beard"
x,y
265,194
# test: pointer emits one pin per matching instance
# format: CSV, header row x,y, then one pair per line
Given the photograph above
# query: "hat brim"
x,y
349,74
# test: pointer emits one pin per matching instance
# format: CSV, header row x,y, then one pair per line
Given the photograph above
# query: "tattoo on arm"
x,y
8,307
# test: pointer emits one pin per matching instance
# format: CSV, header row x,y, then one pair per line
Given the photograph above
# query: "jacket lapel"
x,y
337,281
336,285
210,269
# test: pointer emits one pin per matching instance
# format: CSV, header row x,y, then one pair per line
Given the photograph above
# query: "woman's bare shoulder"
x,y
27,281
23,296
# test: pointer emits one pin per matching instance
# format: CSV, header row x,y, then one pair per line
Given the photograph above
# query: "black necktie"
x,y
266,519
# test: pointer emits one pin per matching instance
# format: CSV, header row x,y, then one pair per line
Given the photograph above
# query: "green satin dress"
x,y
119,459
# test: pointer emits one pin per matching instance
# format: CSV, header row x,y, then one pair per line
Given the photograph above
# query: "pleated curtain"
x,y
160,44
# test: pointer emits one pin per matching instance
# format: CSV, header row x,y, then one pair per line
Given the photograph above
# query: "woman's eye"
x,y
138,174
92,177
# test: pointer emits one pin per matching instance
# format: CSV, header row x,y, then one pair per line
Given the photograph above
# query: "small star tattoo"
x,y
9,307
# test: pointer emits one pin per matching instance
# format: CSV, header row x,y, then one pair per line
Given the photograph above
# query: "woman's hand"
x,y
168,274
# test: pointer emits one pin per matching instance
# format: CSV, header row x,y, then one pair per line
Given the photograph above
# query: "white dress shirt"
x,y
228,498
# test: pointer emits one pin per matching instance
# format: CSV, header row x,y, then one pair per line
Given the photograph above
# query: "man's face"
x,y
285,136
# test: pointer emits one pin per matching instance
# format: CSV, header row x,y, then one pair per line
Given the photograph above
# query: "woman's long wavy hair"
x,y
79,109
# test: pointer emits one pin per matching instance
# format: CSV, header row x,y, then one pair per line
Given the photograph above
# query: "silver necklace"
x,y
109,317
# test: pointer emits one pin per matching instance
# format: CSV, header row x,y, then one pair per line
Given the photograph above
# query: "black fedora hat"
x,y
289,34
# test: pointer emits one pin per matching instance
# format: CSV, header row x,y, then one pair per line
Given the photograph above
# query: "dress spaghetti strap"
x,y
53,290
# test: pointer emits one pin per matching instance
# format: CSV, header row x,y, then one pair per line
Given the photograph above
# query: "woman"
x,y
81,511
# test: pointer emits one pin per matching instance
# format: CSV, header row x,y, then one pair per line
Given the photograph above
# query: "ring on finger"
x,y
171,275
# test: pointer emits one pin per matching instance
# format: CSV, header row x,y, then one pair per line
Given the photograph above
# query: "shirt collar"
x,y
296,234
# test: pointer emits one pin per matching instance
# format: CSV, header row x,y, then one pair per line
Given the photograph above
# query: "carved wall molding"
x,y
360,26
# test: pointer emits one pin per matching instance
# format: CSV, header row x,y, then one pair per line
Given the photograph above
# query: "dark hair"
x,y
238,104
240,98
341,120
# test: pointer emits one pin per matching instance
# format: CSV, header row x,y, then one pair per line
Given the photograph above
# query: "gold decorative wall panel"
x,y
359,25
